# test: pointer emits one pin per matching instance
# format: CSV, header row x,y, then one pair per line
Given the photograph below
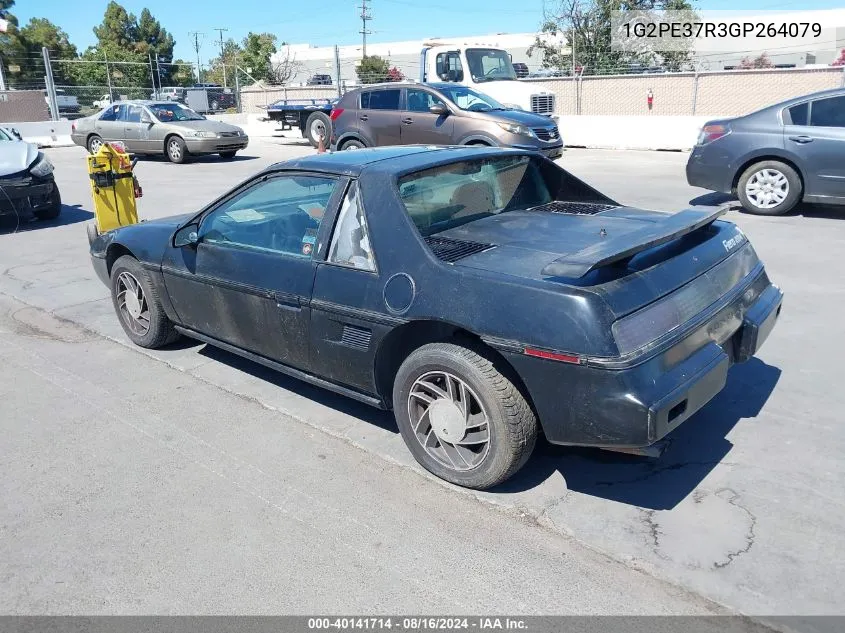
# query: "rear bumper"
x,y
709,168
637,406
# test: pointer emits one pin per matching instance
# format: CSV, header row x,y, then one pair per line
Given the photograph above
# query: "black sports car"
x,y
480,293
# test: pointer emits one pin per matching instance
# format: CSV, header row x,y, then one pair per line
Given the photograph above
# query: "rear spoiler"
x,y
611,250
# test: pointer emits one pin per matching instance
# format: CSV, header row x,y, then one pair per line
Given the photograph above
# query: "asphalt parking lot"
x,y
187,480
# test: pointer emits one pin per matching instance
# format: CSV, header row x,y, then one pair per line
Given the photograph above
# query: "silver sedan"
x,y
152,127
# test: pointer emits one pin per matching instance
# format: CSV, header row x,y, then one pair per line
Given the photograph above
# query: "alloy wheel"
x,y
174,150
132,304
449,420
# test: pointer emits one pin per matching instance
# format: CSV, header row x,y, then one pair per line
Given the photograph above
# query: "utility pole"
x,y
365,17
222,59
197,45
337,69
50,85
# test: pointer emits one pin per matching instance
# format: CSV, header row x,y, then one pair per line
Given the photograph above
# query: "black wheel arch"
x,y
403,340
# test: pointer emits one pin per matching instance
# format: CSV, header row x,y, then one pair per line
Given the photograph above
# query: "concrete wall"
x,y
43,133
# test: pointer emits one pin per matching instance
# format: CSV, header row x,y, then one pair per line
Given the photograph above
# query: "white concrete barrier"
x,y
44,133
631,132
254,126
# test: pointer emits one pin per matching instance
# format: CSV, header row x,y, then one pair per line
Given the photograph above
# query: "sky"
x,y
329,22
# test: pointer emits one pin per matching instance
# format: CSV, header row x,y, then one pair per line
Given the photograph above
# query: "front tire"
x,y
138,306
176,150
461,417
352,145
769,187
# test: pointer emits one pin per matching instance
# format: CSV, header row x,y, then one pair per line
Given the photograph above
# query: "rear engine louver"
x,y
450,250
574,208
356,337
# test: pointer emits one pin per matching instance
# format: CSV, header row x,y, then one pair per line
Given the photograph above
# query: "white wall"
x,y
631,132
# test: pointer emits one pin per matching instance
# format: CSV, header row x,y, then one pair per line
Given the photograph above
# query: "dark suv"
x,y
437,114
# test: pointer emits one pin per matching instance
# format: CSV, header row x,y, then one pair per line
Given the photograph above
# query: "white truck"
x,y
487,69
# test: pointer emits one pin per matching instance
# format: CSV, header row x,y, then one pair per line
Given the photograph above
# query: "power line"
x,y
365,17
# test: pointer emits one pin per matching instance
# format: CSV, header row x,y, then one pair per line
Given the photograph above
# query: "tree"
x,y
12,48
258,48
839,61
762,61
118,30
37,34
232,57
372,70
152,38
584,28
284,65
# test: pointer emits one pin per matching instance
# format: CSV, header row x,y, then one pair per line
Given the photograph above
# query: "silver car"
x,y
159,127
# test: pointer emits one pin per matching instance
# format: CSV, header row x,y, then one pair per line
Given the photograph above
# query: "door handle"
x,y
407,121
801,139
364,117
287,301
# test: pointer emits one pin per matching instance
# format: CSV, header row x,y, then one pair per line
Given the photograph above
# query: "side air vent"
x,y
574,208
356,337
450,250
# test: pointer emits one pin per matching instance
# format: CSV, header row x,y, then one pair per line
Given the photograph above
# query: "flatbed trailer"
x,y
311,116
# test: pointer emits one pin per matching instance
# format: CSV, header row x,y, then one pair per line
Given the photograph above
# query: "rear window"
x,y
447,196
380,100
798,114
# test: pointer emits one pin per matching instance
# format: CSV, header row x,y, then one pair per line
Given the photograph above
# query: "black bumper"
x,y
25,194
637,406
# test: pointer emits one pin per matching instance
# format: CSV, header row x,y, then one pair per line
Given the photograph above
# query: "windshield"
x,y
5,136
167,112
469,99
447,196
490,64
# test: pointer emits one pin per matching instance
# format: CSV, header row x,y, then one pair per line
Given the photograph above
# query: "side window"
x,y
351,240
281,215
380,100
111,113
132,114
449,67
421,100
828,112
798,113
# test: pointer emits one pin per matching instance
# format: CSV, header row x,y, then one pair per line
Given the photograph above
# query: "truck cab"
x,y
486,69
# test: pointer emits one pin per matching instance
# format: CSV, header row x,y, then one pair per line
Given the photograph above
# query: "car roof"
x,y
145,102
393,159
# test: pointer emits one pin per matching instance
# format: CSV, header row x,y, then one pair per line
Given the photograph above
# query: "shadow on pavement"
x,y
342,404
696,447
207,158
69,215
821,211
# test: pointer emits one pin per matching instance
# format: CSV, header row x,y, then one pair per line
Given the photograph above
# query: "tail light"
x,y
336,112
710,133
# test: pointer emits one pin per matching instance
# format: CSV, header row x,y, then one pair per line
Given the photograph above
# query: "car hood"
x,y
206,124
518,116
16,156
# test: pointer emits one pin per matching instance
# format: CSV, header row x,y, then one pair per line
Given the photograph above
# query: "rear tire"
x,y
94,143
462,418
352,145
55,208
138,307
769,187
175,149
318,123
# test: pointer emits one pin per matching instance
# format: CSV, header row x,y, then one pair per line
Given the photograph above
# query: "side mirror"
x,y
186,236
146,118
16,134
439,109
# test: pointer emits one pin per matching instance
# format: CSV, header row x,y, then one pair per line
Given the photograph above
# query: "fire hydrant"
x,y
650,98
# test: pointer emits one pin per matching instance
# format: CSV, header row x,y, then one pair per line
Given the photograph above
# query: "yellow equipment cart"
x,y
114,189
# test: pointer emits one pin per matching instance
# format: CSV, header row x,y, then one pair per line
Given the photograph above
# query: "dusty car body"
x,y
479,293
159,127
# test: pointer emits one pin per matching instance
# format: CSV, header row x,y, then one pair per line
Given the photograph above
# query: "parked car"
x,y
104,101
521,70
776,157
480,293
67,104
159,127
437,114
169,93
320,80
219,98
27,185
